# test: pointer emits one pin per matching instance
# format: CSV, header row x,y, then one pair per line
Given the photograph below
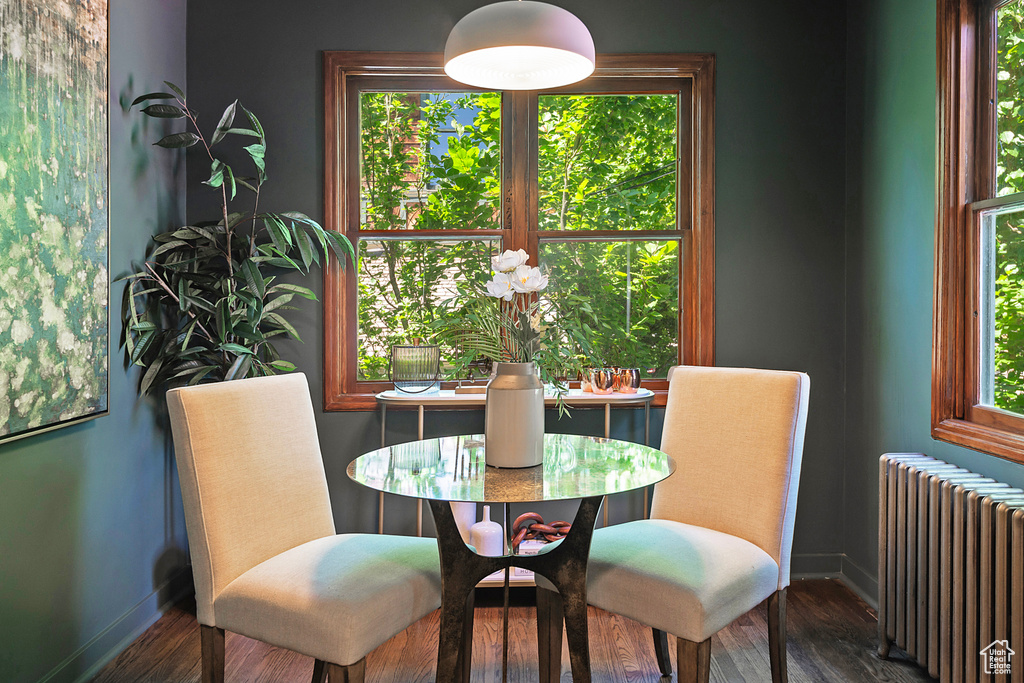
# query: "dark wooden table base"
x,y
565,565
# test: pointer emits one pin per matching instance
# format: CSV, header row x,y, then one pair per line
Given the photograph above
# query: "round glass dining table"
x,y
453,468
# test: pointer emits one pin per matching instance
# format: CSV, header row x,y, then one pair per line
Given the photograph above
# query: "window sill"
x,y
987,439
368,402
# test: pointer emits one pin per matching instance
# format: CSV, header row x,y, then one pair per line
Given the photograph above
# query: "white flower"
x,y
500,287
508,261
526,279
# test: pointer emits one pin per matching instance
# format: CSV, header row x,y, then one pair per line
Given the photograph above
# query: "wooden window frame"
x,y
403,70
966,187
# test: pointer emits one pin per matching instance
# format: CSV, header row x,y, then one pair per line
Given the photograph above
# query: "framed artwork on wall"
x,y
54,216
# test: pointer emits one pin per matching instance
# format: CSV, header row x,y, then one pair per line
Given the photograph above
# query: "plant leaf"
x,y
178,140
236,349
167,246
150,375
282,365
278,233
255,124
226,119
200,374
285,325
305,247
231,180
257,153
142,345
176,90
276,303
223,316
164,111
253,278
242,131
151,96
244,182
304,292
240,368
340,246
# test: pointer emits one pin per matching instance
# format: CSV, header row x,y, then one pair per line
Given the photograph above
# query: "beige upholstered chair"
x,y
721,529
266,560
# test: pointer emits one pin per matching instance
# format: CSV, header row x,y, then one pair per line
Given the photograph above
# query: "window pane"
x,y
1010,94
633,288
607,162
429,161
400,285
1002,307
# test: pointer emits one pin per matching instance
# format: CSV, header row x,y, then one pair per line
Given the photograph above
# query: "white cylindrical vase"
x,y
514,417
487,537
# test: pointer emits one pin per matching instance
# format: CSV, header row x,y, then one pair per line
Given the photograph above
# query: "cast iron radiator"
x,y
950,569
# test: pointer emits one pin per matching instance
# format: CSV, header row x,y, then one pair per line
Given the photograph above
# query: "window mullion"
x,y
515,169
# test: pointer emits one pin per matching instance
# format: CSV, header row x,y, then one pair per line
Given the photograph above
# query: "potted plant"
x,y
207,305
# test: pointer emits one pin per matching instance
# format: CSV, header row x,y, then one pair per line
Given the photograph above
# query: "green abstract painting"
x,y
53,213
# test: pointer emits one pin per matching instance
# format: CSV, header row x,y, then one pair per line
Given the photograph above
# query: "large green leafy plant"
x,y
207,305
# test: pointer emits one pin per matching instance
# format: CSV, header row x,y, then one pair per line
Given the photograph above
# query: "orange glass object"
x,y
627,380
602,380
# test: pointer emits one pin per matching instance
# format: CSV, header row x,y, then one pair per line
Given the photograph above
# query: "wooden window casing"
x,y
346,73
966,188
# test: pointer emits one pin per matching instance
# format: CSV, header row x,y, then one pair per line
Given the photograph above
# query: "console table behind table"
x,y
448,399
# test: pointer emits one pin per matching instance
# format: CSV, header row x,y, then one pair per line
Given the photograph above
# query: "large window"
x,y
978,377
606,184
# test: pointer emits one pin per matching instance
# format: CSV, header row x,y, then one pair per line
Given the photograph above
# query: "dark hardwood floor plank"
x,y
831,639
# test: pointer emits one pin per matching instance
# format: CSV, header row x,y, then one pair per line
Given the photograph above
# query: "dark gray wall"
x,y
780,167
890,256
91,534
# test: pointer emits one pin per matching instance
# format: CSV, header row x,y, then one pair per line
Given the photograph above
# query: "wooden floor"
x,y
832,637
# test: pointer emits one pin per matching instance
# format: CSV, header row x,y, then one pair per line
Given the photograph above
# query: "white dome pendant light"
x,y
519,45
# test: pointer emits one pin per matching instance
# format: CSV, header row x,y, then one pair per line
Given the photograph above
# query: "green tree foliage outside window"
x,y
1009,266
433,162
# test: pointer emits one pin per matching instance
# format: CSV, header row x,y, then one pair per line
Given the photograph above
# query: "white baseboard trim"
x,y
84,663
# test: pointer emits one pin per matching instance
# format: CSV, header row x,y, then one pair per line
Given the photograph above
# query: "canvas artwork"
x,y
53,213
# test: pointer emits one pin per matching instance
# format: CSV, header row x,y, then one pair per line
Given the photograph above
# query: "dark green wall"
x,y
91,534
825,210
890,259
780,191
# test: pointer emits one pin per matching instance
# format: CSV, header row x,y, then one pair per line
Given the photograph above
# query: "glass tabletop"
x,y
452,468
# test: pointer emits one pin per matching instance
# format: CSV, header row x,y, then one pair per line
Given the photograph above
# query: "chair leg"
x,y
211,641
319,671
353,673
549,635
661,652
464,664
777,635
693,660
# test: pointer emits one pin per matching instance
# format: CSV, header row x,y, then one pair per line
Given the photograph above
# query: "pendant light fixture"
x,y
519,45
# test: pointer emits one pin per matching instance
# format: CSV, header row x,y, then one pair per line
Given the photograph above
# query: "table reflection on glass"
x,y
452,469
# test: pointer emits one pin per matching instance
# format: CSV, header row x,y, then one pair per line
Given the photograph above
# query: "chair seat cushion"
x,y
686,580
335,598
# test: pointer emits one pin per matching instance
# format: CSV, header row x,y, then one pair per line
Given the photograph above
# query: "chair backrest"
x,y
737,438
252,478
